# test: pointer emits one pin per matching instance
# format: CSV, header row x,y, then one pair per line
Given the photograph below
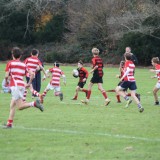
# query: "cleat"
x,y
139,97
7,126
107,101
61,96
118,101
41,98
128,103
141,109
39,105
85,101
74,99
156,103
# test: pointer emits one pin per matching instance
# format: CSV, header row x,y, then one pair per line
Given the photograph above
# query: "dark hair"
x,y
155,59
16,52
35,52
122,63
80,62
56,63
128,56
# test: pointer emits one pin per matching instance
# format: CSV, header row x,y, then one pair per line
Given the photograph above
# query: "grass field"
x,y
69,130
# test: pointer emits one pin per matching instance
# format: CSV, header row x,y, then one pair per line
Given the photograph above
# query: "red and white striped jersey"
x,y
157,67
56,75
17,70
130,76
32,63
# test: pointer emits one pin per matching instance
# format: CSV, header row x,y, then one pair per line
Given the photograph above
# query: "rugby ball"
x,y
75,73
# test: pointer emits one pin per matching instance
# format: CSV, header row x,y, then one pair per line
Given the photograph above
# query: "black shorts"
x,y
95,79
119,84
127,84
81,84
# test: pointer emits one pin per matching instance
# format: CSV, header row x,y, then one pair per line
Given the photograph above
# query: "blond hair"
x,y
95,51
155,59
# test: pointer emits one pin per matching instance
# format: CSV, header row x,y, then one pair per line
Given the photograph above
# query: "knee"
x,y
154,92
117,89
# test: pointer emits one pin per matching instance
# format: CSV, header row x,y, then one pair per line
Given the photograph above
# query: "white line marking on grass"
x,y
87,133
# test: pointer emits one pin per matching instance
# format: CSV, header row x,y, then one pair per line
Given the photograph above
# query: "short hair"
x,y
35,52
16,52
128,56
155,60
80,62
128,47
95,51
56,64
122,63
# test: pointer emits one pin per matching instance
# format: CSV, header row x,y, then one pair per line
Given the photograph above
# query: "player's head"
x,y
155,60
56,64
128,56
16,53
122,64
34,52
128,50
80,64
95,51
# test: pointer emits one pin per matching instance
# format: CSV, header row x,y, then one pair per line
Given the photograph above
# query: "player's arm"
x,y
43,70
47,74
6,78
31,74
64,78
86,74
126,73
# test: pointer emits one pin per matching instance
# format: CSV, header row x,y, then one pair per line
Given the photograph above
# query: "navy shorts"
x,y
81,84
127,84
95,79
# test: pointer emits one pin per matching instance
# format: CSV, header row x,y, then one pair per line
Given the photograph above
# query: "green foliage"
x,y
53,31
143,46
13,28
68,54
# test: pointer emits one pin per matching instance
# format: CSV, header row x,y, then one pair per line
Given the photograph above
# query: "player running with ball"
x,y
83,75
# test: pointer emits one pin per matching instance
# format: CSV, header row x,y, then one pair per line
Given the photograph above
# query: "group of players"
x,y
16,70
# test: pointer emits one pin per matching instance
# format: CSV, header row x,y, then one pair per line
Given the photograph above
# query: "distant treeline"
x,y
66,30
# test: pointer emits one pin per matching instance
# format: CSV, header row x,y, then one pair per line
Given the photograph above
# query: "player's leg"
x,y
120,91
57,92
81,85
107,100
76,93
11,114
155,90
90,85
133,95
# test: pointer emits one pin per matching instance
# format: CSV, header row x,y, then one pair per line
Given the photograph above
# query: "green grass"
x,y
69,130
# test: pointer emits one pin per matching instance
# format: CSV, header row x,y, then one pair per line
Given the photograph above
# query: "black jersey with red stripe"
x,y
97,61
83,73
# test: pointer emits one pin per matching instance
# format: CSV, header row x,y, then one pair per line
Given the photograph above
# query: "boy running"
x,y
121,69
83,75
17,70
156,63
55,81
97,70
128,81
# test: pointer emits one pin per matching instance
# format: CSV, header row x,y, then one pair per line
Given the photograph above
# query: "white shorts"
x,y
17,92
55,88
158,85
